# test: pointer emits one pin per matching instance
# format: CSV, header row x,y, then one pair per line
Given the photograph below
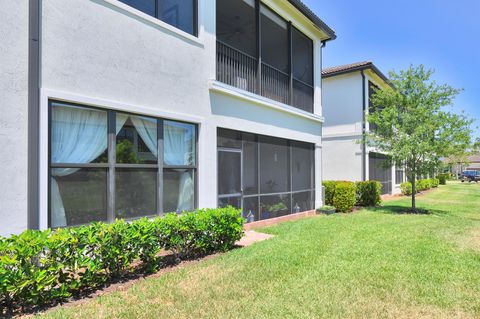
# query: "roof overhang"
x,y
310,15
356,67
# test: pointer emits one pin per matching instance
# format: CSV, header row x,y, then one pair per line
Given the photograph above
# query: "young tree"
x,y
413,124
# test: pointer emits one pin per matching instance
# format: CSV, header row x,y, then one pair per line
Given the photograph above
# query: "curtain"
x,y
179,143
78,136
186,192
147,129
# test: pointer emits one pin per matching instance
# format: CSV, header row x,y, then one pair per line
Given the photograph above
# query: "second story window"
x,y
260,52
181,14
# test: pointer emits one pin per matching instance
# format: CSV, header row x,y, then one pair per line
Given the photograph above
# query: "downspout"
x,y
364,128
33,218
324,44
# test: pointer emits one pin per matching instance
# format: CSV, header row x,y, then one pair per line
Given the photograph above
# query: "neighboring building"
x,y
122,109
346,100
471,163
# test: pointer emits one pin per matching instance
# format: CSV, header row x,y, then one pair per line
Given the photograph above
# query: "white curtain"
x,y
179,143
78,136
147,129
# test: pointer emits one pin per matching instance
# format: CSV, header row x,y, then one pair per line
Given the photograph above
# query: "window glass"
x,y
78,135
179,143
274,165
77,196
146,6
178,190
236,24
274,206
178,13
302,164
136,193
274,32
250,164
136,139
302,55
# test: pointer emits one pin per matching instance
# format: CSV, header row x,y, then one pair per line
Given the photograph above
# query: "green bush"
x,y
368,193
442,179
345,196
434,182
39,267
406,188
329,191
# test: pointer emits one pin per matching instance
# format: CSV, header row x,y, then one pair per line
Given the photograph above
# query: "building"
x,y
346,100
459,165
122,109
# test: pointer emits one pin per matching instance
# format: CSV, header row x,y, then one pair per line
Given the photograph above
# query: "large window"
x,y
265,176
261,52
181,14
106,165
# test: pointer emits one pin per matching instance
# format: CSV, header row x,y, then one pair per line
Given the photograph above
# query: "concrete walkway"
x,y
251,237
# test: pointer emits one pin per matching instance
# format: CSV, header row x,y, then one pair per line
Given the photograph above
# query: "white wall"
x,y
14,115
342,159
103,53
342,105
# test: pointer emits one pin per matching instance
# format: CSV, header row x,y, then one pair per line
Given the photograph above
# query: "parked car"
x,y
470,176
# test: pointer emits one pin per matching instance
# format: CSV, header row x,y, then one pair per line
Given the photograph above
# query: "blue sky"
x,y
443,35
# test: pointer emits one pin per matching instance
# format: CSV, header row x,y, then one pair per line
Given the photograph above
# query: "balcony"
x,y
241,70
274,60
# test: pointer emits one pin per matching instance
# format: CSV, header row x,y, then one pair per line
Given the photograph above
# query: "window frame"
x,y
195,12
111,165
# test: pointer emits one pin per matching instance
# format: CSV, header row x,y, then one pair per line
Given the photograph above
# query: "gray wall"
x,y
13,115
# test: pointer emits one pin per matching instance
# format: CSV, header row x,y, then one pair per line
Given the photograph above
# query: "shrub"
x,y
368,193
39,267
434,182
329,191
345,196
442,178
406,188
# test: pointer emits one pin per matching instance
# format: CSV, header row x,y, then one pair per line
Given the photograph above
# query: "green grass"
x,y
371,264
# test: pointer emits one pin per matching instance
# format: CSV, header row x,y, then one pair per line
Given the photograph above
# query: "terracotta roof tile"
x,y
346,67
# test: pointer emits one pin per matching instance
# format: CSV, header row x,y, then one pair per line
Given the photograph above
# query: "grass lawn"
x,y
370,264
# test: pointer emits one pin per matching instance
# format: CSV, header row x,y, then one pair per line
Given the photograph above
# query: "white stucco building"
x,y
122,109
346,100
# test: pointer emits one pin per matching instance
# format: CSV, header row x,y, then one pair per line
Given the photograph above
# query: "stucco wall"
x,y
342,104
342,159
14,115
103,53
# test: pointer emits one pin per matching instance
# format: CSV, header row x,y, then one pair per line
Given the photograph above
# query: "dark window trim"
x,y
111,165
157,16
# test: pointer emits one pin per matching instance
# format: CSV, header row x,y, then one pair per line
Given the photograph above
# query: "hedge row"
x,y
39,267
345,195
420,185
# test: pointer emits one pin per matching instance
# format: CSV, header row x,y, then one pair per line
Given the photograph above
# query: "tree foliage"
x,y
414,123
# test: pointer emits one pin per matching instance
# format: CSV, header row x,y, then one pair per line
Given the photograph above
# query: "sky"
x,y
443,35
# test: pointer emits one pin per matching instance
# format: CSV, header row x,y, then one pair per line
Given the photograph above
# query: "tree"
x,y
476,145
413,124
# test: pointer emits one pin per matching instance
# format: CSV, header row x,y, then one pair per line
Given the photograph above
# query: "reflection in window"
x,y
84,177
78,196
136,139
177,13
178,190
136,192
230,201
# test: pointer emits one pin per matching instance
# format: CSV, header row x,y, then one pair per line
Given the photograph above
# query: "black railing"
x,y
236,68
275,84
240,70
